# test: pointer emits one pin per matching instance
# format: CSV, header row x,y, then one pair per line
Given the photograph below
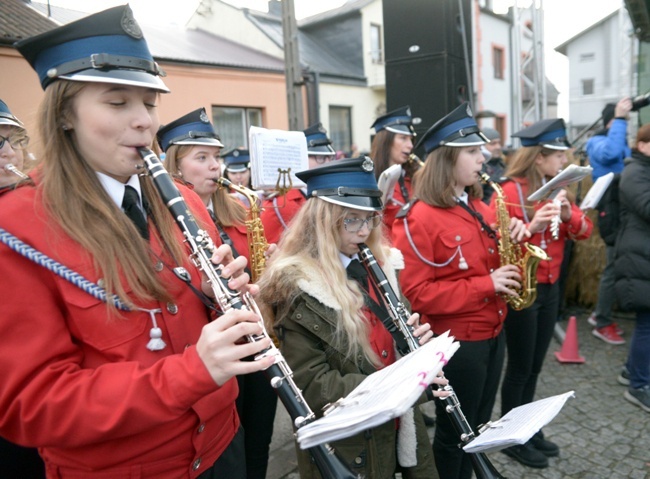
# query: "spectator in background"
x,y
606,151
494,166
632,265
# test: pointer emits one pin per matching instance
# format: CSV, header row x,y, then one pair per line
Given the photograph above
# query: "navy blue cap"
x,y
237,160
192,129
549,133
7,118
397,121
106,47
317,141
348,182
457,128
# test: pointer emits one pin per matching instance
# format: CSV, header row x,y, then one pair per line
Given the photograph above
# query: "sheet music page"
x,y
519,425
382,396
570,174
387,181
272,150
596,192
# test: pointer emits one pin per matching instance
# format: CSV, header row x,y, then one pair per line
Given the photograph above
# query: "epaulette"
x,y
502,179
404,210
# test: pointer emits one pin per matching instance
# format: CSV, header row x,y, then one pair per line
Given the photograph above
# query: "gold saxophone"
x,y
511,253
257,244
413,158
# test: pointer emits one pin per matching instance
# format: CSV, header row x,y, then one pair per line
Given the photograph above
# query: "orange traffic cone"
x,y
569,352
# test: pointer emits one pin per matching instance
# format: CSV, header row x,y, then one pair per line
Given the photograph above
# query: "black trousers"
x,y
256,406
528,336
231,462
474,372
17,462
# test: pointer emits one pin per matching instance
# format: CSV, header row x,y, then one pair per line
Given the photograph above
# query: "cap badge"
x,y
235,153
367,165
129,24
204,117
469,111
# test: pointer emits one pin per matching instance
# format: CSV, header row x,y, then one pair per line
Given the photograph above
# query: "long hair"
x,y
434,182
380,150
74,197
311,244
227,208
522,165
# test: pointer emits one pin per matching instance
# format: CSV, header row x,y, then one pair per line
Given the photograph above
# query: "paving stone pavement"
x,y
600,434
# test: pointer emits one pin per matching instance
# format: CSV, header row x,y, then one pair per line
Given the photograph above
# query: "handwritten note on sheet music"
x,y
519,425
382,396
272,150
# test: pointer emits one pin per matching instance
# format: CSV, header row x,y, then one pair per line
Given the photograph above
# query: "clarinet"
x,y
406,342
279,374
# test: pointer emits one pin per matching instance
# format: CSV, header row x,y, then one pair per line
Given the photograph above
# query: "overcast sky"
x,y
562,20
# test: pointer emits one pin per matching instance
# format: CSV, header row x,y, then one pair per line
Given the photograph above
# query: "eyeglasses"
x,y
17,142
321,159
354,225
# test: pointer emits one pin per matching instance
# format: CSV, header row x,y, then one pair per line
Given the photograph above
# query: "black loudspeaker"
x,y
425,56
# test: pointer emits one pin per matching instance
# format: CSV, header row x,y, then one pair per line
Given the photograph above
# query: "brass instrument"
x,y
257,244
511,253
413,158
12,169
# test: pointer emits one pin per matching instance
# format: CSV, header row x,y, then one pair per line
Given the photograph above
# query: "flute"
x,y
11,168
400,316
279,374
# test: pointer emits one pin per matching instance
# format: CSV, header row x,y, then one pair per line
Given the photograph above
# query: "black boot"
x,y
548,448
527,455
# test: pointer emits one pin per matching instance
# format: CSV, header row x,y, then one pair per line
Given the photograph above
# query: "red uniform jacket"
x,y
82,386
447,296
577,228
392,206
278,212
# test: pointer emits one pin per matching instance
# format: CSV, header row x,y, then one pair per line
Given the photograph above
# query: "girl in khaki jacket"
x,y
329,338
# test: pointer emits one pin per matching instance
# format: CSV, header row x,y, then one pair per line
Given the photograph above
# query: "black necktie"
x,y
357,272
130,205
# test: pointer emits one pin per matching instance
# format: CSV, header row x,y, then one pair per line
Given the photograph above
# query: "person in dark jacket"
x,y
632,265
606,151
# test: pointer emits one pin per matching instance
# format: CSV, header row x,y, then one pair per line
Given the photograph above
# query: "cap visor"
x,y
119,77
236,168
364,203
10,122
556,145
200,141
399,129
324,150
469,140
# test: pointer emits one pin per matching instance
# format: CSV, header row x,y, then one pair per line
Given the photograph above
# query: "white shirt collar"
x,y
346,260
464,197
115,189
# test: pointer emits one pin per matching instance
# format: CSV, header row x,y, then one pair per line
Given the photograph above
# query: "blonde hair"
x,y
73,196
522,165
311,243
227,208
434,182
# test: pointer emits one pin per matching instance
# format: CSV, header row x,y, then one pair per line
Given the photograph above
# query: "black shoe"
x,y
428,420
527,455
548,448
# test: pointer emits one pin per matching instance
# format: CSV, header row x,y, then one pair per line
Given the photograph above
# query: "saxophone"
x,y
511,253
257,244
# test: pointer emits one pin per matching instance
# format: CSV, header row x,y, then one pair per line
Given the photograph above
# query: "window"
x,y
232,124
500,125
587,57
498,62
376,53
588,87
341,128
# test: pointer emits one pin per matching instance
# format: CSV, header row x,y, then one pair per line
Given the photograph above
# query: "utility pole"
x,y
292,70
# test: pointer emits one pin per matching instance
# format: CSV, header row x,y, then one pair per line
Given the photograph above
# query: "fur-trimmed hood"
x,y
314,285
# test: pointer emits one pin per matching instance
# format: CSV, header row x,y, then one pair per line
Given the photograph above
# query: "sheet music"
x,y
271,150
519,425
387,181
570,174
382,396
596,192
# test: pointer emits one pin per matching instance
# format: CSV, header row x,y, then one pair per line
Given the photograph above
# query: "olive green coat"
x,y
324,375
